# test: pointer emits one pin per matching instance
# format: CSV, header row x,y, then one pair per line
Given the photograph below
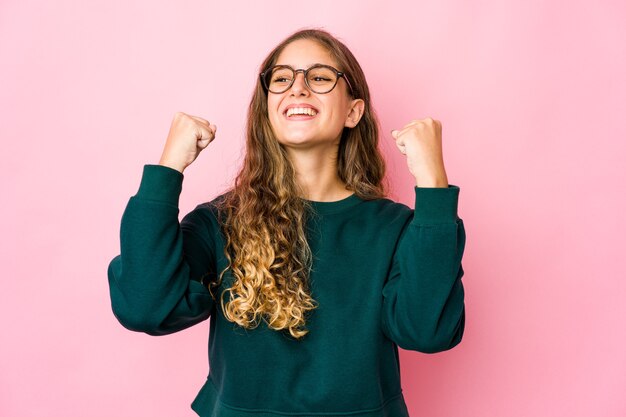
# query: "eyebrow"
x,y
308,66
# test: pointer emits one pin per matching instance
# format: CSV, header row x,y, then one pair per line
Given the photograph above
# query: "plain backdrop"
x,y
531,95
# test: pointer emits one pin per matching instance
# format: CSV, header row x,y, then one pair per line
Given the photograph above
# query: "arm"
x,y
423,298
154,282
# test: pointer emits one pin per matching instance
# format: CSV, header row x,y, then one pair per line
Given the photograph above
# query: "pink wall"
x,y
531,95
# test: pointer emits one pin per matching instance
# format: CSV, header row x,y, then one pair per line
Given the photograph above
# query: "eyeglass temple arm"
x,y
341,74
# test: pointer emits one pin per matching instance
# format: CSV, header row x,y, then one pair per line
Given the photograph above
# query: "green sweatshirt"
x,y
384,276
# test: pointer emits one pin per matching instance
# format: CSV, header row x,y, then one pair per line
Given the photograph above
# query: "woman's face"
x,y
335,109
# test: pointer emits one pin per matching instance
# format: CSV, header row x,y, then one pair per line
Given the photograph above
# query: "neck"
x,y
316,174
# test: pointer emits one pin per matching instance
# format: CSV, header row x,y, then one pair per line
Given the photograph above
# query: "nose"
x,y
299,84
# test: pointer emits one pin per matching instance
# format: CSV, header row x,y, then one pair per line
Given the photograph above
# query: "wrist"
x,y
432,183
171,164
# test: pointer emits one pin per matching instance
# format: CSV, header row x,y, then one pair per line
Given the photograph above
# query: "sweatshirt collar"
x,y
329,207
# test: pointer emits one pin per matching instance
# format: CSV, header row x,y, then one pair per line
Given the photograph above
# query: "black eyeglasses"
x,y
320,78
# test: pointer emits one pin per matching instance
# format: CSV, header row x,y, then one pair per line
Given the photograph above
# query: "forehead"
x,y
304,53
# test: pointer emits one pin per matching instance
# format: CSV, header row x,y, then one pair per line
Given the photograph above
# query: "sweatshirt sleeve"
x,y
423,296
155,281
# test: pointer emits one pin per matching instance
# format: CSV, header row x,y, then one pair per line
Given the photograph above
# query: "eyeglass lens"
x,y
320,79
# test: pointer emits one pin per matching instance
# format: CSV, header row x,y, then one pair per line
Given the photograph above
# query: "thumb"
x,y
394,133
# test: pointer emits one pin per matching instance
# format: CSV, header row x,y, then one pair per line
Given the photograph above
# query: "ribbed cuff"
x,y
436,205
160,183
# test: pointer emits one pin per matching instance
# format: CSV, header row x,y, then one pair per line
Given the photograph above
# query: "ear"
x,y
357,107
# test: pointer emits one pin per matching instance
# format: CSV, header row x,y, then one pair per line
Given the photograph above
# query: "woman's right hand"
x,y
188,136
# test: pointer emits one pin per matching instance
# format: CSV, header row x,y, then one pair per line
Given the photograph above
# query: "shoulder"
x,y
387,208
207,212
214,204
383,214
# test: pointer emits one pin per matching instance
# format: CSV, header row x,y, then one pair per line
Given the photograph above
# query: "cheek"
x,y
336,110
336,117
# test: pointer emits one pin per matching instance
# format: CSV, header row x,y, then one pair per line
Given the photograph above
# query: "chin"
x,y
294,139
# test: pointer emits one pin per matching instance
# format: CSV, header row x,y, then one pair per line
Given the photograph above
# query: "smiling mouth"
x,y
299,117
300,113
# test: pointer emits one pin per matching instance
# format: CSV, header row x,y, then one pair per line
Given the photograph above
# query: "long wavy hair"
x,y
263,217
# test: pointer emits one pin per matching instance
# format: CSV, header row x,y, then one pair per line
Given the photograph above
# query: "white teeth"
x,y
301,110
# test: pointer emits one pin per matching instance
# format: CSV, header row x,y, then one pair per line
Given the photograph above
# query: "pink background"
x,y
531,95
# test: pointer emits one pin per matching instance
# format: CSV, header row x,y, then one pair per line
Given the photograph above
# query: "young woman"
x,y
310,276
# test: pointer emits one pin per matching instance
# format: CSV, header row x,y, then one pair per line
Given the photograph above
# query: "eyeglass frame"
x,y
305,72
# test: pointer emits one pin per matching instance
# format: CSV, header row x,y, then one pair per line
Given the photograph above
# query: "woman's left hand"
x,y
420,141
